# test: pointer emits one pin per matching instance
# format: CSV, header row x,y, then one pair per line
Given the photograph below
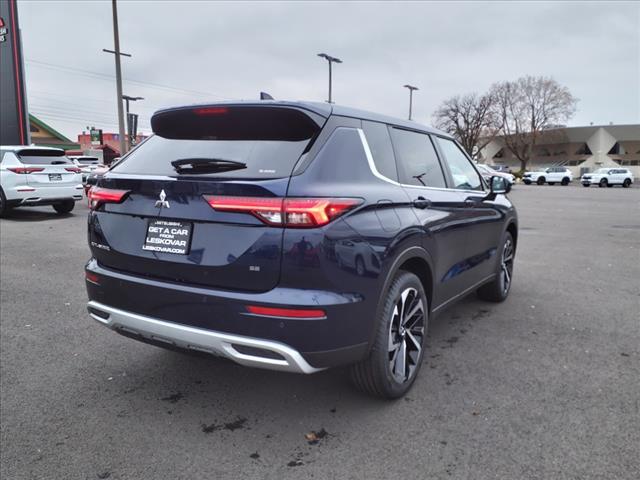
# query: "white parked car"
x,y
87,165
31,176
551,175
608,177
487,172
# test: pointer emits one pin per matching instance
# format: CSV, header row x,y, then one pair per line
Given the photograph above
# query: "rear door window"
x,y
416,159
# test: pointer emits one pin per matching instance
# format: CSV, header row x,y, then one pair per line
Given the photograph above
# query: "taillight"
x,y
287,212
286,312
73,169
25,170
98,196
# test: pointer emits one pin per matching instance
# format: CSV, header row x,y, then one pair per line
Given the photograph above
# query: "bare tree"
x,y
527,107
470,119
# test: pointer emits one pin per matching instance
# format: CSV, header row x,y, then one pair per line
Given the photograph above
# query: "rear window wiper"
x,y
206,165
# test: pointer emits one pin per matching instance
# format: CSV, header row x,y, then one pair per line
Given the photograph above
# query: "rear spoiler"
x,y
260,121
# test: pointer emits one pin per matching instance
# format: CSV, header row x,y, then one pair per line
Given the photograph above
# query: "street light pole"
x,y
411,89
117,53
331,60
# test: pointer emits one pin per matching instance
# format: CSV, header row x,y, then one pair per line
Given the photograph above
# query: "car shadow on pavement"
x,y
34,215
179,379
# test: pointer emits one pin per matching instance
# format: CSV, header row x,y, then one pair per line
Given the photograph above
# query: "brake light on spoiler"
x,y
285,212
99,195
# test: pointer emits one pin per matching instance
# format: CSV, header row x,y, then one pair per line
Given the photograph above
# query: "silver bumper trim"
x,y
216,343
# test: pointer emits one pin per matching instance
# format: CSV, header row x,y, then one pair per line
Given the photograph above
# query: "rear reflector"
x,y
73,169
286,312
98,196
92,277
287,212
25,170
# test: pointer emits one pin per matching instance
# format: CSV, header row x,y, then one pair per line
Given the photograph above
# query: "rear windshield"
x,y
42,157
223,141
263,158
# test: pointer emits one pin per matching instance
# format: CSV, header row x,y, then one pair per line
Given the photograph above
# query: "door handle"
x,y
470,202
421,203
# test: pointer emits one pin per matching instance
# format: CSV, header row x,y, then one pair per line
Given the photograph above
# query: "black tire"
x,y
360,267
552,183
626,183
64,207
4,208
384,373
609,185
586,184
498,289
527,182
540,181
565,181
603,183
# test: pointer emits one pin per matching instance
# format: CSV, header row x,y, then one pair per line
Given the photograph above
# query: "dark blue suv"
x,y
296,237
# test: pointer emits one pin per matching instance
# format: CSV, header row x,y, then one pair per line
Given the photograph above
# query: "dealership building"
x,y
581,149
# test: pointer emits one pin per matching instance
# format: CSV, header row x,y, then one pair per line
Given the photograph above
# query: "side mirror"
x,y
499,185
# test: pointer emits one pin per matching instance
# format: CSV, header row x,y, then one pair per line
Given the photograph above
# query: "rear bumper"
x,y
264,353
25,195
340,337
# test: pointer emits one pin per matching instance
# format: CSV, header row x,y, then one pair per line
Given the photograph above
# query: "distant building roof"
x,y
46,136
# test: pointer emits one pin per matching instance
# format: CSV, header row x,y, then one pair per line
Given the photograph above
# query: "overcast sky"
x,y
208,51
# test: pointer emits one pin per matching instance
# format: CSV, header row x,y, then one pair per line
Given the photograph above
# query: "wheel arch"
x,y
512,228
416,260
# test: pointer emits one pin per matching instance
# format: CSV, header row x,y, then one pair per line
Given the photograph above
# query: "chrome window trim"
x,y
376,173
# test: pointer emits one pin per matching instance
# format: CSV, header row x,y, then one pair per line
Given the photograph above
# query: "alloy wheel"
x,y
506,265
406,334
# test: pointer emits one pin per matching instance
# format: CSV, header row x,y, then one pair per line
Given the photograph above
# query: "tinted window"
x,y
464,175
416,159
35,156
263,158
379,141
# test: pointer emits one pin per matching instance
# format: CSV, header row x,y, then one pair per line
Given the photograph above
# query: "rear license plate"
x,y
55,177
168,237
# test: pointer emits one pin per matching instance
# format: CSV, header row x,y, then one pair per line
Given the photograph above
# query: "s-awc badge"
x,y
168,237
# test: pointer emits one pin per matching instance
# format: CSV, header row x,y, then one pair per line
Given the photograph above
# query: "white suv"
x,y
551,175
608,177
32,176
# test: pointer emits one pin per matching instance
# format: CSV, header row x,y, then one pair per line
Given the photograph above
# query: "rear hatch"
x,y
159,224
48,168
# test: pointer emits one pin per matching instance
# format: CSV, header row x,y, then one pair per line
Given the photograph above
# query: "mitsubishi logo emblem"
x,y
163,201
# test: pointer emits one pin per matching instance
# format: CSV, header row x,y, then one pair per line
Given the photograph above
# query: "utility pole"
x,y
331,60
127,99
411,89
117,54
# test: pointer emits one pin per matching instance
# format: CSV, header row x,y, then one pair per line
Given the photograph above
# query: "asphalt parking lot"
x,y
543,386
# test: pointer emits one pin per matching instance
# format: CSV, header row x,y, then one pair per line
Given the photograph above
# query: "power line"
x,y
105,76
82,104
80,119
